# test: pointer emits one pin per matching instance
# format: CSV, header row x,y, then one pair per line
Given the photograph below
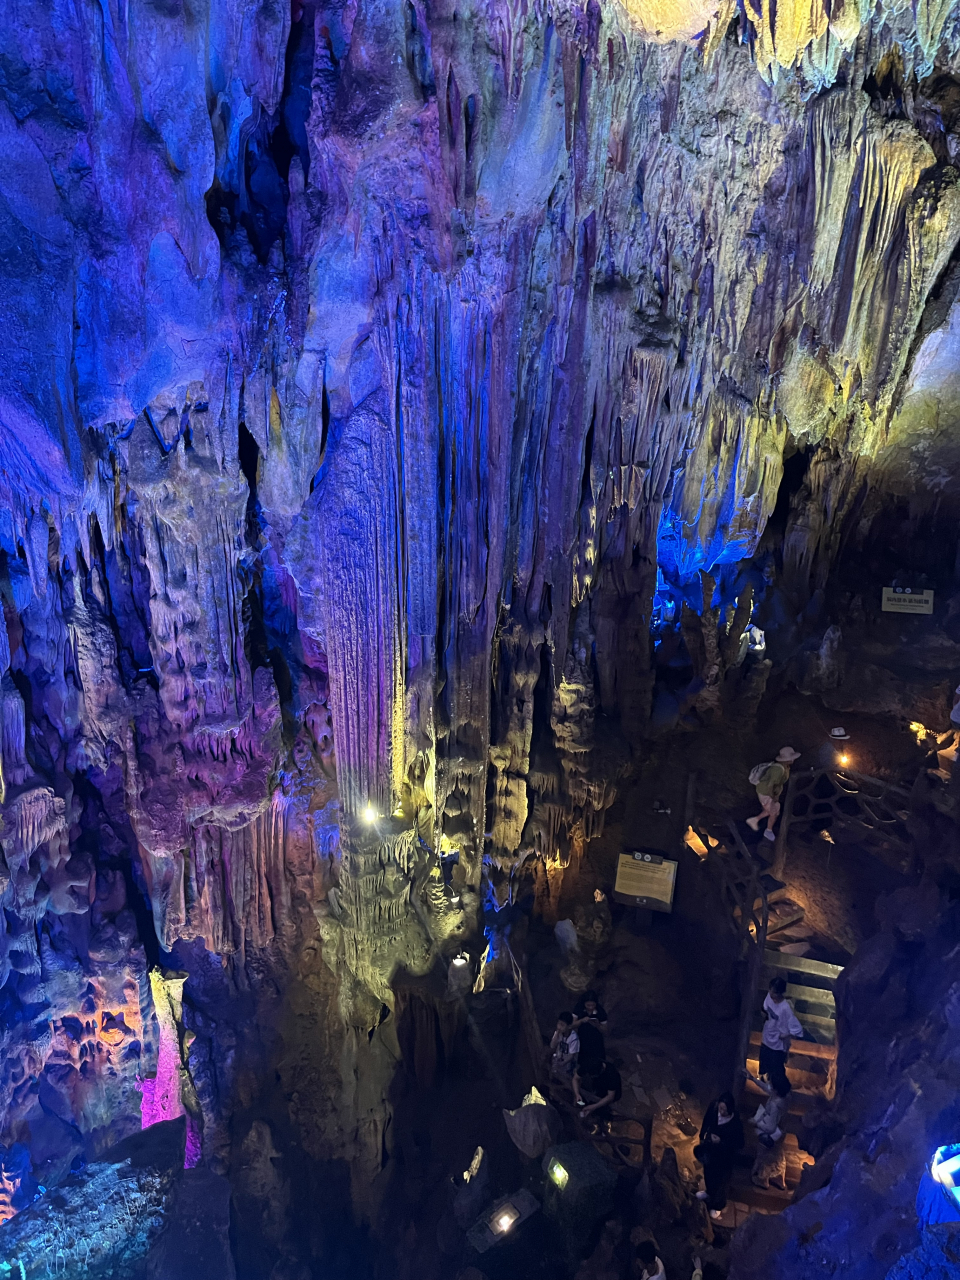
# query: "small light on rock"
x,y
369,814
504,1218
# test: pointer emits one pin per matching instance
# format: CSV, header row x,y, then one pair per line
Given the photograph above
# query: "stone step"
x,y
827,973
742,1191
815,1000
782,915
818,1029
801,1048
800,1100
811,1081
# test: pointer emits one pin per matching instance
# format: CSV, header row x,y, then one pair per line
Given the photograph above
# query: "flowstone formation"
x,y
395,398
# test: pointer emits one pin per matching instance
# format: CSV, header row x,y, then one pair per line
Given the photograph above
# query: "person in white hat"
x,y
832,753
770,779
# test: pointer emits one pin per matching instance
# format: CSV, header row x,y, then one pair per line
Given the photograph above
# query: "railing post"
x,y
780,846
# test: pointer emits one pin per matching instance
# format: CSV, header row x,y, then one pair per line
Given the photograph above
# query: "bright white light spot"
x,y
369,814
844,759
459,960
946,1166
503,1219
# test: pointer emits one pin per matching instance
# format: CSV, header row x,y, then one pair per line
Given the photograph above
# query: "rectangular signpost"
x,y
906,600
645,880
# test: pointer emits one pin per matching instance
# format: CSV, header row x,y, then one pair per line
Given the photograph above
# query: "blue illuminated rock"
x,y
102,1221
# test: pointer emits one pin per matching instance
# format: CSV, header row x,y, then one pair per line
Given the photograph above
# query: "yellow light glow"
x,y
369,814
504,1218
919,730
844,760
559,1174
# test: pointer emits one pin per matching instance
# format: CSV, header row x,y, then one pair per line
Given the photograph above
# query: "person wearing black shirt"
x,y
589,1009
721,1137
604,1083
592,1049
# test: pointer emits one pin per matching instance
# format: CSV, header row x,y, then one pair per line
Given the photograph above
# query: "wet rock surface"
x,y
102,1221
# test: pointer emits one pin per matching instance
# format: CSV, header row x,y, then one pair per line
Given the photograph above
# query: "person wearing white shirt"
x,y
780,1028
565,1045
649,1265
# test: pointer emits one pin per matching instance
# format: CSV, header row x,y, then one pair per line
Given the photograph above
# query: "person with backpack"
x,y
769,779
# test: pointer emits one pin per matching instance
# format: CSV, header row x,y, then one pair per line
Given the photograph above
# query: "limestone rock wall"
x,y
377,377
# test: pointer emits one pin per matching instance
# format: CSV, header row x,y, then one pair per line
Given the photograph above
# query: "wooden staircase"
x,y
811,1070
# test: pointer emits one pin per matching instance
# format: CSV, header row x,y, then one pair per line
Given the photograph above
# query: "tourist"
x,y
769,780
721,1137
589,1009
649,1264
592,1049
832,754
781,1026
603,1084
565,1045
770,1166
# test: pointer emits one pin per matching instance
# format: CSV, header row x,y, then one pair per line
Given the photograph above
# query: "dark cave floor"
x,y
669,985
673,1018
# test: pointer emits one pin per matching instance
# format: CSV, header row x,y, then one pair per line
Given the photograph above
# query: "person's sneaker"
x,y
702,1195
769,835
753,824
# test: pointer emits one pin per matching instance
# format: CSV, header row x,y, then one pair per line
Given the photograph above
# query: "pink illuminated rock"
x,y
171,1094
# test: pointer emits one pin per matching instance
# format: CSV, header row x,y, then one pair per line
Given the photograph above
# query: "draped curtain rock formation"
x,y
382,383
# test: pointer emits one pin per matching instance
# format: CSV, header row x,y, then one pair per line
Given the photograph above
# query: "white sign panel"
x,y
906,600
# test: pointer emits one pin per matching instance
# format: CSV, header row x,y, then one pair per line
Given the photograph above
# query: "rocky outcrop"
x,y
103,1221
898,1008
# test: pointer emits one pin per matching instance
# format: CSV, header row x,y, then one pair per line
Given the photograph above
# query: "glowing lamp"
x,y
498,1220
459,960
558,1174
945,1167
503,1219
369,814
844,759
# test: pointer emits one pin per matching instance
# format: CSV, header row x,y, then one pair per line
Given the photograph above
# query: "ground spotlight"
x,y
503,1219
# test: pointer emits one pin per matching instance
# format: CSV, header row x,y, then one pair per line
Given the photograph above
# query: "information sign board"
x,y
906,600
645,880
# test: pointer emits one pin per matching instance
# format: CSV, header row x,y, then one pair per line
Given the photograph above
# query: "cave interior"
x,y
446,447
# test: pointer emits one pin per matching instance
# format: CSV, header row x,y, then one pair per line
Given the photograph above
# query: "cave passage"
x,y
480,662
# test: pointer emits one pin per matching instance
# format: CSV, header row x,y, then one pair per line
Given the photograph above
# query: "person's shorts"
x,y
769,804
